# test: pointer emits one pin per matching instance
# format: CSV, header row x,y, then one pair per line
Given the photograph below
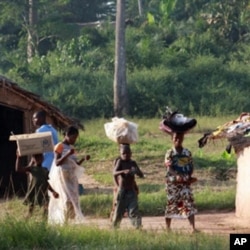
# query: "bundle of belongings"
x,y
237,132
121,131
175,122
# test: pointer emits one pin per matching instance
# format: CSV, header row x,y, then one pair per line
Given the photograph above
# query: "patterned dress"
x,y
180,202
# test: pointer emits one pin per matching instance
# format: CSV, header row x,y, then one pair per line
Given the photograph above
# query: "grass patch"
x,y
220,199
153,203
97,205
16,234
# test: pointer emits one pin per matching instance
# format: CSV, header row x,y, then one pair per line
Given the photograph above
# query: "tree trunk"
x,y
120,84
31,42
140,7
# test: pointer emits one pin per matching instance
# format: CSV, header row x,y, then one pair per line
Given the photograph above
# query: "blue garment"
x,y
48,156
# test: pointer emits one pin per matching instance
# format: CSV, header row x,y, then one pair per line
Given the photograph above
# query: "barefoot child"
x,y
124,173
115,191
37,193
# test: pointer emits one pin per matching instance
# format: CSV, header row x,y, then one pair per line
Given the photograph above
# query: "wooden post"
x,y
242,201
120,82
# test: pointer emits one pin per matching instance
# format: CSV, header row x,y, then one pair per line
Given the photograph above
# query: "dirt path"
x,y
212,222
223,223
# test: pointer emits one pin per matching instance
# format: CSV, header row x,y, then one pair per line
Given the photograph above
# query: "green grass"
x,y
152,142
219,199
19,234
153,203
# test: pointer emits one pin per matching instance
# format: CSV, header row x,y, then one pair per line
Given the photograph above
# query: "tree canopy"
x,y
192,55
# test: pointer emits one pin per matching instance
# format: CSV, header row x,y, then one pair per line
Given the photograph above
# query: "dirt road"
x,y
210,222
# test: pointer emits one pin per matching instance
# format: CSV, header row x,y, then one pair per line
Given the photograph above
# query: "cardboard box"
x,y
36,143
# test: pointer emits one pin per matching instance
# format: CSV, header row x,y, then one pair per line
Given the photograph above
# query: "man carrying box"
x,y
39,121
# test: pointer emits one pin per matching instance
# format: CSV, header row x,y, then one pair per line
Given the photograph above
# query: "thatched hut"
x,y
16,110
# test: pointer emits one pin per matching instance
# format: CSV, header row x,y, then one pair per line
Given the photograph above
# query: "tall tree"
x,y
140,7
120,84
32,21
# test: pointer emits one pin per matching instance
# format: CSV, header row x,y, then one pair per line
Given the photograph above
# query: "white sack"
x,y
121,131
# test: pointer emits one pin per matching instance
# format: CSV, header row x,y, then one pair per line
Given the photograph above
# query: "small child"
x,y
124,173
37,193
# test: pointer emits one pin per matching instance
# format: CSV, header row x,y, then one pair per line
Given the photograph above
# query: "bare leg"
x,y
168,223
191,220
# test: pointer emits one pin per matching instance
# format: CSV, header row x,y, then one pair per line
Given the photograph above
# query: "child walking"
x,y
124,173
37,193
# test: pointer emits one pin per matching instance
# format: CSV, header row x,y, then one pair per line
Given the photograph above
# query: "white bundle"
x,y
121,131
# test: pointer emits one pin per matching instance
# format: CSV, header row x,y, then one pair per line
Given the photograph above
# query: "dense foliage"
x,y
191,55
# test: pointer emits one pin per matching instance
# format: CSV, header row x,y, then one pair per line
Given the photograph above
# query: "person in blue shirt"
x,y
39,121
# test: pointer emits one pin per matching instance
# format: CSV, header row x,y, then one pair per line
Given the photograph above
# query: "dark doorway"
x,y
11,183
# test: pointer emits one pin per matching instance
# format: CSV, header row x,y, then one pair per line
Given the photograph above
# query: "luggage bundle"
x,y
121,131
